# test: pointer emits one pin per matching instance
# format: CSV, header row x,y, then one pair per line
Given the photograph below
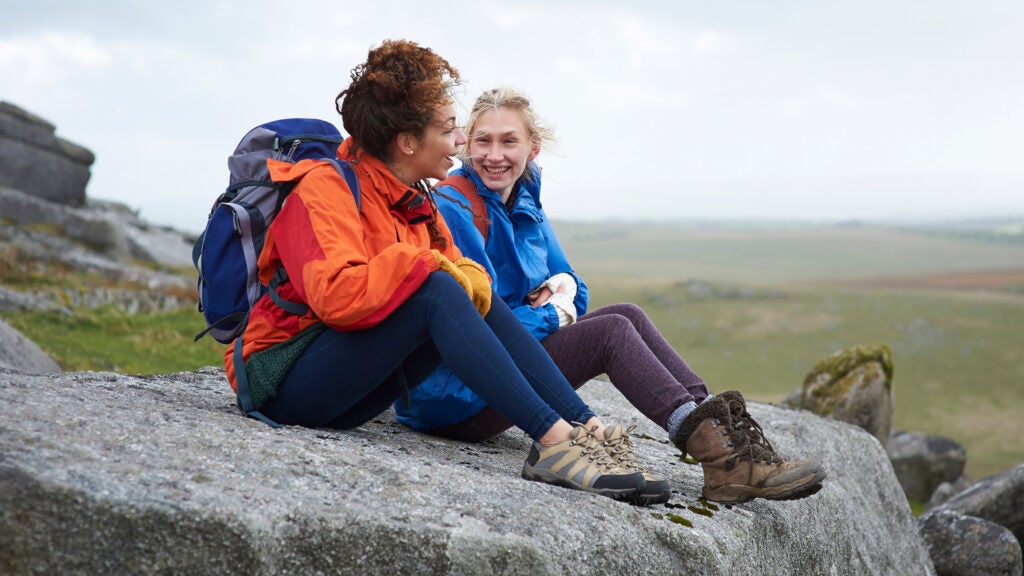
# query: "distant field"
x,y
771,256
755,309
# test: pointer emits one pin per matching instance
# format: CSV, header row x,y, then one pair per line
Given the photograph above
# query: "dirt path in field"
x,y
994,280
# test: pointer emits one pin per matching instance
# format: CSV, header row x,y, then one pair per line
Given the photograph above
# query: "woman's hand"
x,y
540,296
559,291
446,265
480,283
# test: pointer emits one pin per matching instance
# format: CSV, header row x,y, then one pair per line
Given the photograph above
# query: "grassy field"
x,y
749,255
751,308
755,309
109,339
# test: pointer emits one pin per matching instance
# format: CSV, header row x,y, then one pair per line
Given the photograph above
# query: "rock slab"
x,y
103,473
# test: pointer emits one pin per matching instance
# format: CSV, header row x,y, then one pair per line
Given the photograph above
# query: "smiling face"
x,y
500,147
432,154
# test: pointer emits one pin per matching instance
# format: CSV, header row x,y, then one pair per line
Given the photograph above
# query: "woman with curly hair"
x,y
532,275
391,296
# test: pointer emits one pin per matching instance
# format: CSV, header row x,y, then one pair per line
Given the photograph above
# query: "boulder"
x,y
107,473
967,546
35,160
945,491
22,354
852,385
998,498
922,462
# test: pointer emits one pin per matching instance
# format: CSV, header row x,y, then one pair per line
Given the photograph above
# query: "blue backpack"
x,y
226,253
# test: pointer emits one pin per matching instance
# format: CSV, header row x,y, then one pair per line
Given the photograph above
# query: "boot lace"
x,y
748,440
592,448
620,450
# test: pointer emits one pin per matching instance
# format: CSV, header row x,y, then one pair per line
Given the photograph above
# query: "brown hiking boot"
x,y
739,463
619,446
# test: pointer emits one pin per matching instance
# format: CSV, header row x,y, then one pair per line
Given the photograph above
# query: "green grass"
x,y
108,339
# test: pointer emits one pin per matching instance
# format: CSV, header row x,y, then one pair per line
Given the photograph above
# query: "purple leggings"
x,y
618,340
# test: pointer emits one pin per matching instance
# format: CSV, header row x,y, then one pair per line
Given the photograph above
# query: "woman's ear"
x,y
406,144
534,151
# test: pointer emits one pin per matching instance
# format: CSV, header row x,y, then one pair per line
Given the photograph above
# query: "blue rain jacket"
x,y
522,252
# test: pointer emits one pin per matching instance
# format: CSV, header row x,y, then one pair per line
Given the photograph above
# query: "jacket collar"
x,y
384,181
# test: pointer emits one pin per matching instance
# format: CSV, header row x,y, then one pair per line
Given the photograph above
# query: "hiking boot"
x,y
738,461
582,464
619,446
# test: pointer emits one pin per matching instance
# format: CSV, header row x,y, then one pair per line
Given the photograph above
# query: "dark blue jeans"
x,y
344,379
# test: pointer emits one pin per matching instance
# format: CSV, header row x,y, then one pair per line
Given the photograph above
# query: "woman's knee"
x,y
439,287
441,282
610,330
631,311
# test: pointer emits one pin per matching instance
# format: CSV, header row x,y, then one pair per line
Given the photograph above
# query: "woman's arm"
x,y
318,237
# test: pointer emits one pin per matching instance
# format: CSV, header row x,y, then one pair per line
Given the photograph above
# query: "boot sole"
x,y
651,499
548,477
795,490
657,492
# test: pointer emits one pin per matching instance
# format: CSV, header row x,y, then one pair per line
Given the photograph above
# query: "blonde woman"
x,y
531,273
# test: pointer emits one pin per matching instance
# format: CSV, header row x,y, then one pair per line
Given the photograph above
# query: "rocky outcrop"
x,y
106,229
851,385
134,285
42,183
34,159
114,474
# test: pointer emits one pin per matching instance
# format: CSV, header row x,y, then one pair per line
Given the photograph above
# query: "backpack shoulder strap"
x,y
349,174
476,203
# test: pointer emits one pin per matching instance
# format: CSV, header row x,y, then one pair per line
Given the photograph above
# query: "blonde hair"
x,y
539,133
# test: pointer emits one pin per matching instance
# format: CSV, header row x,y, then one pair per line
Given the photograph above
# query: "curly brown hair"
x,y
396,90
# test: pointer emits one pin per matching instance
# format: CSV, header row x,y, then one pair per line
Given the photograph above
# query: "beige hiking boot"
x,y
582,464
739,463
619,446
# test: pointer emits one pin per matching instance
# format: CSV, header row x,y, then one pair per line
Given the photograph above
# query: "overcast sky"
x,y
783,110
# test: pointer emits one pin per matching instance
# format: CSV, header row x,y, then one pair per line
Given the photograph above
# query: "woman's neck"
x,y
400,171
506,194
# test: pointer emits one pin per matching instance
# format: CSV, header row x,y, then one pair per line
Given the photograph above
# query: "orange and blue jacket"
x,y
352,265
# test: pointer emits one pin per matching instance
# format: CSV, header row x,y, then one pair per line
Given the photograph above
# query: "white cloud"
x,y
47,57
694,109
708,41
